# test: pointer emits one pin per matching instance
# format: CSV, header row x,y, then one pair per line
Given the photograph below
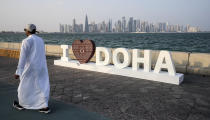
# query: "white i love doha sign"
x,y
104,57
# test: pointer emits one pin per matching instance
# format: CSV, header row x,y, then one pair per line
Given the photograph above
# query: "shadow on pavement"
x,y
60,111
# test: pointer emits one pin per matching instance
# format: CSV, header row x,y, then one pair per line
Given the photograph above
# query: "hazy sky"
x,y
47,14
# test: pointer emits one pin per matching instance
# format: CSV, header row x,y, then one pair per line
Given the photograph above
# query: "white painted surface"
x,y
126,56
107,54
65,56
169,65
146,60
111,69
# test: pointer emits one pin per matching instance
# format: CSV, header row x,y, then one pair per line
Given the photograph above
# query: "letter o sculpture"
x,y
126,56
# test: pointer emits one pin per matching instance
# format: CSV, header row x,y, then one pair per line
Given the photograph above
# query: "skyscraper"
x,y
130,24
118,26
86,24
61,28
66,28
74,25
103,27
110,26
134,26
138,26
123,24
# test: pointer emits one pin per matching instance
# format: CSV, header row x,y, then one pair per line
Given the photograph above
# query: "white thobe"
x,y
34,88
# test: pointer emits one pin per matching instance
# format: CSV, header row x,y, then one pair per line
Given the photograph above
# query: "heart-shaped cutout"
x,y
83,50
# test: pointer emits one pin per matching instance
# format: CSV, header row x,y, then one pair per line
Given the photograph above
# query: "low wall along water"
x,y
185,62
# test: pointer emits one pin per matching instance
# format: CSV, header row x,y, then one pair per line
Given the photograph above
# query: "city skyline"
x,y
47,14
124,25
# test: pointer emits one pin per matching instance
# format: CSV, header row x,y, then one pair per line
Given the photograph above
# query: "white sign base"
x,y
111,69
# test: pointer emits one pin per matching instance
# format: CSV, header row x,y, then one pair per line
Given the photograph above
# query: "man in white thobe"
x,y
34,88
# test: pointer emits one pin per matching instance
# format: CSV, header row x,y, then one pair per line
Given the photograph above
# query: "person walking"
x,y
34,87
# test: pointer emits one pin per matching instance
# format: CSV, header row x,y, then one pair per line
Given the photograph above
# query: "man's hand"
x,y
16,76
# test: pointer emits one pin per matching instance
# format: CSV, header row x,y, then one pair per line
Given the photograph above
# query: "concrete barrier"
x,y
181,60
199,63
14,46
4,45
54,50
10,53
185,62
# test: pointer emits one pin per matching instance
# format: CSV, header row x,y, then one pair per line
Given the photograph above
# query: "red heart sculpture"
x,y
83,50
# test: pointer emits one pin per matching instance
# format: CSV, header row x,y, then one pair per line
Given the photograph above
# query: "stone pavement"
x,y
8,93
60,110
123,98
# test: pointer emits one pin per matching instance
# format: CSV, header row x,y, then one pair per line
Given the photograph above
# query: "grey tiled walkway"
x,y
60,110
124,98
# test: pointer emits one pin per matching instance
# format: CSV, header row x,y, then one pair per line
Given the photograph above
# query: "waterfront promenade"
x,y
78,94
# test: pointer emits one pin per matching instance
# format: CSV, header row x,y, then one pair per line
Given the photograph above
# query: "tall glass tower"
x,y
86,24
130,25
123,24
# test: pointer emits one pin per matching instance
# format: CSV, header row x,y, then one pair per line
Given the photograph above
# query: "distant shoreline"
x,y
110,32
